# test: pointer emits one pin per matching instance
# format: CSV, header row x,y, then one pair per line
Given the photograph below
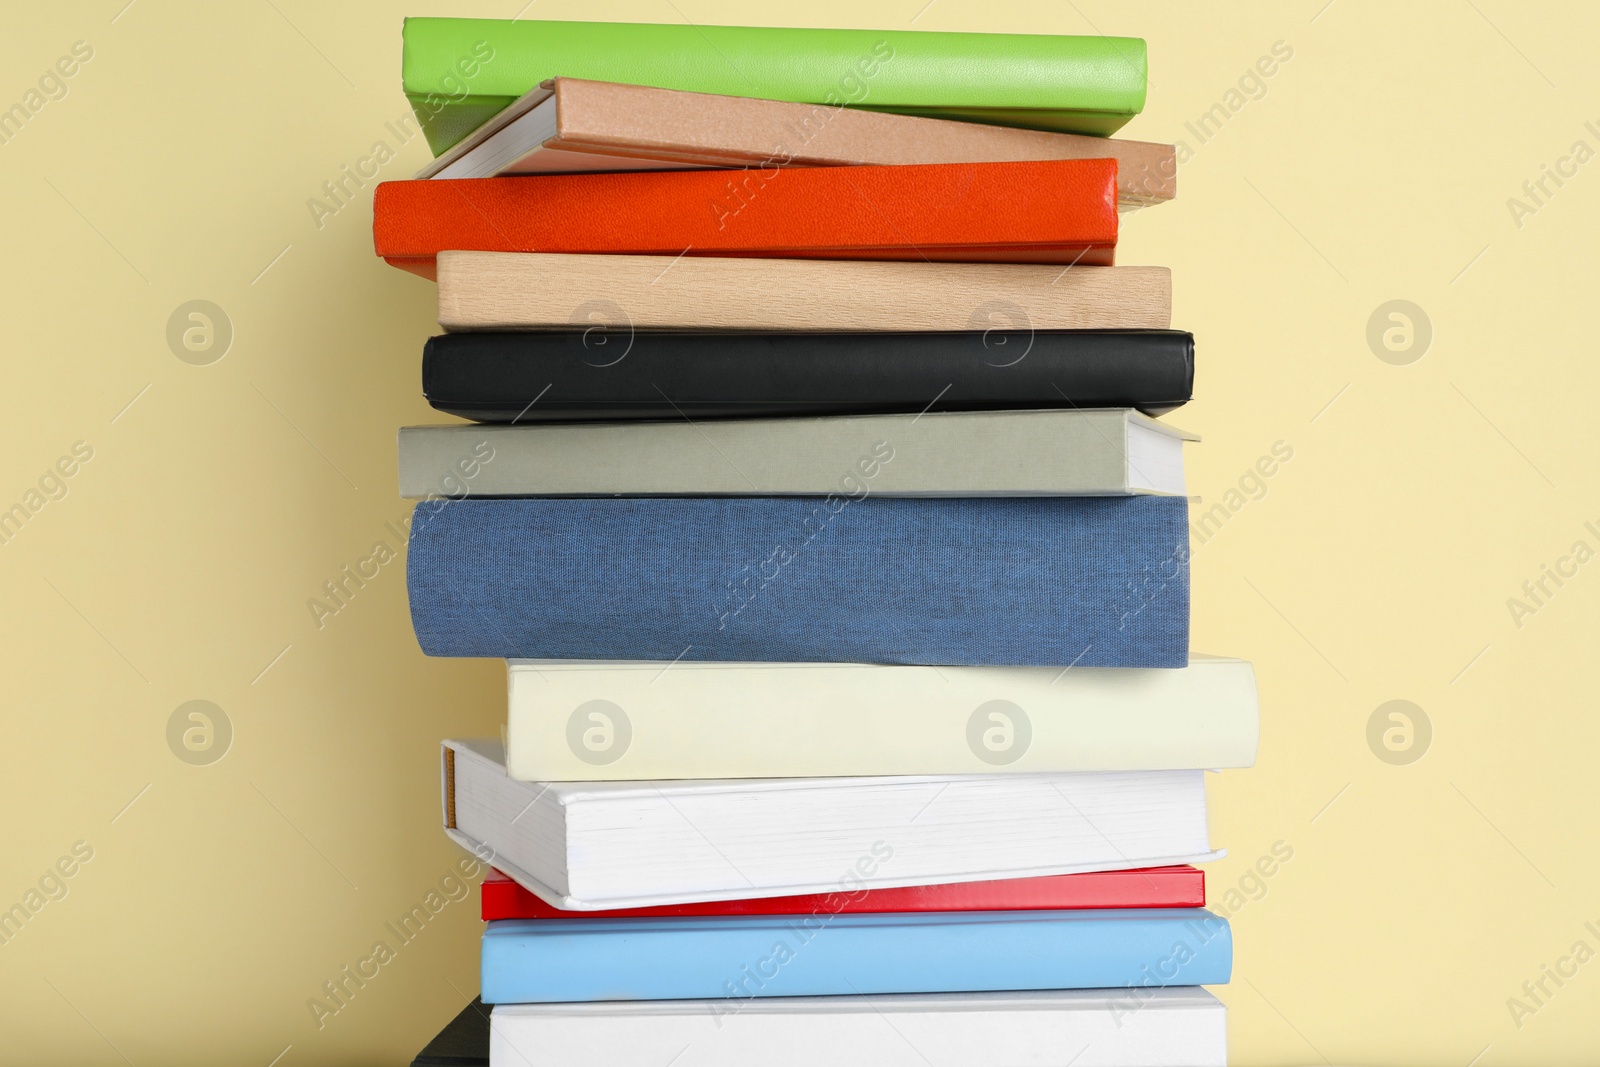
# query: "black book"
x,y
610,374
464,1042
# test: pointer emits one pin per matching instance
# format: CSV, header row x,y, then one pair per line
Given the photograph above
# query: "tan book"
x,y
534,291
568,125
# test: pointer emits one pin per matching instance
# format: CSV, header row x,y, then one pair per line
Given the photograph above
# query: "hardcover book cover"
x,y
572,125
692,720
738,957
1089,581
1046,211
1176,1026
458,72
1152,887
1095,452
598,846
544,291
601,374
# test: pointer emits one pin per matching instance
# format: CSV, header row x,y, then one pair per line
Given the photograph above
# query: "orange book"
x,y
1037,211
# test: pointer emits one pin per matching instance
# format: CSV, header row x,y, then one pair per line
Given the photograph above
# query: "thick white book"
x,y
594,721
1180,1026
1096,452
587,846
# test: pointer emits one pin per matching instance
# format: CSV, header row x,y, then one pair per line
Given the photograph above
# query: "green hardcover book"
x,y
459,72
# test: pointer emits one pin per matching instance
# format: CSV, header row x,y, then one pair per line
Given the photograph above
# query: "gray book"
x,y
1103,452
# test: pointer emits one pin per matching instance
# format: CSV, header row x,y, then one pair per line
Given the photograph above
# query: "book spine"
x,y
1087,84
817,722
741,958
1160,887
1054,211
844,578
510,291
598,375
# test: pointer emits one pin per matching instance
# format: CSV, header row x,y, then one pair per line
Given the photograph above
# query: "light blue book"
x,y
738,957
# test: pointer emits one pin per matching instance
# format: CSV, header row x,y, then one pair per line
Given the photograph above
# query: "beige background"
x,y
1376,166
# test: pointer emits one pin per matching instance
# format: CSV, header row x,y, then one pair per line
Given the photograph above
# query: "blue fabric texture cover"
x,y
737,957
1090,581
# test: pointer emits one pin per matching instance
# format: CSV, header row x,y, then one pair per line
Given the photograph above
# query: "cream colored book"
x,y
598,721
558,291
571,125
1100,452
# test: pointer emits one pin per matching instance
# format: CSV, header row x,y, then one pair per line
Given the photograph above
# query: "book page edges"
x,y
572,903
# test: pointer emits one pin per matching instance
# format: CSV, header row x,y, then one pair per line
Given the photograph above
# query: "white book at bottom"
x,y
1173,1027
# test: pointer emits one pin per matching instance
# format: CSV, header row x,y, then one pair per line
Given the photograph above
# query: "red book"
x,y
1043,211
1153,887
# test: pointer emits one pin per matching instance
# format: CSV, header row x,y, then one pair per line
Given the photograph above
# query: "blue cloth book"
x,y
737,957
1034,581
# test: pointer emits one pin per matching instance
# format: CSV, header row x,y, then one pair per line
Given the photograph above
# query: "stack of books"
x,y
816,498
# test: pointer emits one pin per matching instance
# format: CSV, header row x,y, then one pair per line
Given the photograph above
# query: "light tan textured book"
x,y
569,125
534,291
